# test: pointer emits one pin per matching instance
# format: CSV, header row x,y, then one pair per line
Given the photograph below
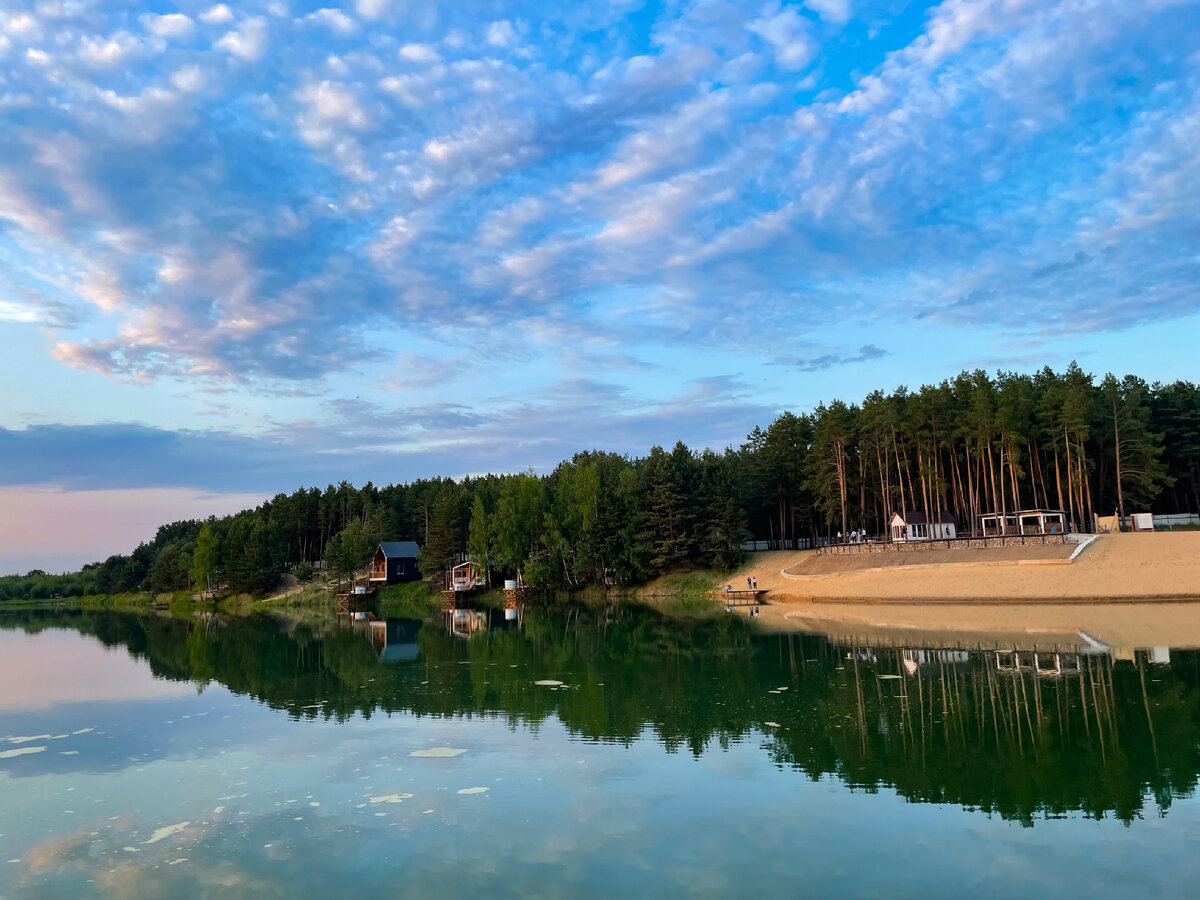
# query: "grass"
x,y
409,599
310,596
683,594
693,583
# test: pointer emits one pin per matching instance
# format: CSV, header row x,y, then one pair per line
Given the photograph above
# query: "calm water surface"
x,y
161,757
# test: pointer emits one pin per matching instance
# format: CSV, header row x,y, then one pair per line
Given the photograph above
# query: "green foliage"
x,y
519,520
479,542
205,561
445,536
409,591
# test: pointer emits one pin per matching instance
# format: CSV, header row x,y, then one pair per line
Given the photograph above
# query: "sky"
x,y
251,246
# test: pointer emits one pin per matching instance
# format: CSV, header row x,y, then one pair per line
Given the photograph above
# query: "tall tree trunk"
x,y
1036,475
974,504
997,498
899,473
1070,475
843,488
912,493
924,492
1058,481
883,486
1087,489
1117,444
1012,474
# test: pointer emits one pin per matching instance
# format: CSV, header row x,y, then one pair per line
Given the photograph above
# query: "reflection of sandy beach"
x,y
1121,626
996,600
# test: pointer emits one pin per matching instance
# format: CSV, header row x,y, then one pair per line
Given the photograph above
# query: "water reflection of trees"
x,y
984,730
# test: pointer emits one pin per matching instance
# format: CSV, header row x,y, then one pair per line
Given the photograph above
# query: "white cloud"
x,y
501,33
19,313
190,80
669,140
830,10
217,15
955,23
373,9
415,91
655,210
871,93
333,19
102,287
172,25
419,53
393,237
20,25
107,52
741,69
330,108
787,33
248,42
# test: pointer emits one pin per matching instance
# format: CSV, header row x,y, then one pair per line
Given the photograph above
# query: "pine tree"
x,y
479,545
445,536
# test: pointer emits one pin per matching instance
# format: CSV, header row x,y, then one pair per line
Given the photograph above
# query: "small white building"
x,y
916,526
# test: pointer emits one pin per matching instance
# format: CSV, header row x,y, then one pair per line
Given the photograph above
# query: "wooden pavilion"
x,y
1023,521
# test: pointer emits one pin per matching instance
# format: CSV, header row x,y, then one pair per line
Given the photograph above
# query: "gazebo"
x,y
1023,521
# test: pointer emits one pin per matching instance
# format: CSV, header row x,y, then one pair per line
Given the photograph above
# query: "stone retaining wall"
x,y
951,544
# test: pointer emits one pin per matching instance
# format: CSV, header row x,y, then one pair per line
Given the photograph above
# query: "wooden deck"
x,y
350,601
740,598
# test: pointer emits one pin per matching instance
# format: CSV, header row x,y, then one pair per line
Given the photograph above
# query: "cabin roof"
x,y
400,549
918,517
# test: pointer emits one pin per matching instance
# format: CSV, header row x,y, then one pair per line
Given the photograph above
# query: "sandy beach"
x,y
1126,590
1114,567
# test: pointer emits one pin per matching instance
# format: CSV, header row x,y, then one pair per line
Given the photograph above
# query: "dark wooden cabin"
x,y
395,561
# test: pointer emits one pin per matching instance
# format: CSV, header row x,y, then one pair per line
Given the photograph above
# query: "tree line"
x,y
970,445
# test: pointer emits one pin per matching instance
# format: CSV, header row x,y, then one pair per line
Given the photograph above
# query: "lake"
x,y
587,753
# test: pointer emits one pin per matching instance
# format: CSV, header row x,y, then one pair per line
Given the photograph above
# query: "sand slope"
x,y
1114,567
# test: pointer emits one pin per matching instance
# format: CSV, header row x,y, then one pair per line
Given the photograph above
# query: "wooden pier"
x,y
351,598
740,598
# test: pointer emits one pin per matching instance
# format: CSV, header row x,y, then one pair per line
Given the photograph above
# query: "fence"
x,y
963,543
1167,521
758,546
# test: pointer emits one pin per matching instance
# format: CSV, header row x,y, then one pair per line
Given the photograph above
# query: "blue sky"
x,y
249,246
